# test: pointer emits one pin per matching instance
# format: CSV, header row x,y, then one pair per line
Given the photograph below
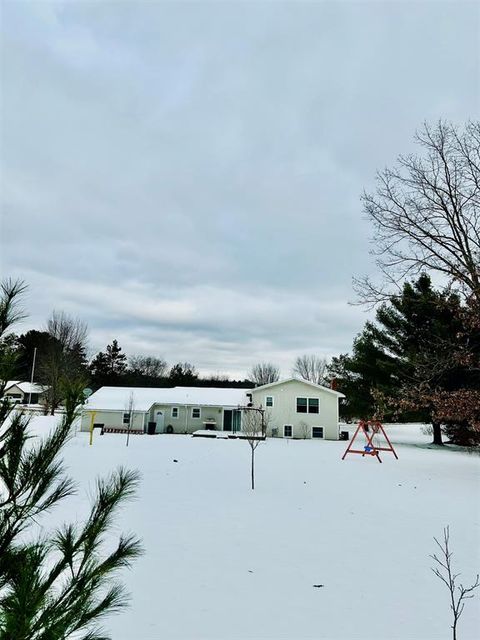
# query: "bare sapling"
x,y
443,569
254,427
131,412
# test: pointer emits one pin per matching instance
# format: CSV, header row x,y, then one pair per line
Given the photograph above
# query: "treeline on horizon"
x,y
111,367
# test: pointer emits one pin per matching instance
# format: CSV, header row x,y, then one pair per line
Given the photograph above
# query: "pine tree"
x,y
26,345
362,376
56,588
183,373
108,368
421,354
424,331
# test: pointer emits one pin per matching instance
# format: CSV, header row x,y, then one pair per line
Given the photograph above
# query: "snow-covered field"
x,y
223,562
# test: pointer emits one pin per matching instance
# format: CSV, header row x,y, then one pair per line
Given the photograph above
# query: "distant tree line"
x,y
60,355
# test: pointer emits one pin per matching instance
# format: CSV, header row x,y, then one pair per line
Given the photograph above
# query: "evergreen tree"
x,y
109,367
26,345
423,330
420,347
357,402
368,372
57,587
183,374
11,312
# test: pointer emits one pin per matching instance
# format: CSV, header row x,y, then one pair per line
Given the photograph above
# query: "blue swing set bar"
x,y
370,449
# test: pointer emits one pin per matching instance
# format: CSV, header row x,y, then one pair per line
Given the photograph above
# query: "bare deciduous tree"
x,y
148,366
444,571
130,409
311,368
255,422
426,213
264,373
64,358
71,332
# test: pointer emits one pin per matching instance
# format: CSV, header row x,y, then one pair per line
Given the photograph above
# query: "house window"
x,y
302,405
269,401
317,432
174,412
126,418
308,405
287,431
196,412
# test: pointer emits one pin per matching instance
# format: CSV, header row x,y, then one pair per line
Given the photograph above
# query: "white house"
x,y
293,408
173,410
299,409
23,392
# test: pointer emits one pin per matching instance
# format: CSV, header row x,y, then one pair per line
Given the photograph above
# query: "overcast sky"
x,y
186,176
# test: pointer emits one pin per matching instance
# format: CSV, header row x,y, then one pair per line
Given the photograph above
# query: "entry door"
x,y
160,420
227,420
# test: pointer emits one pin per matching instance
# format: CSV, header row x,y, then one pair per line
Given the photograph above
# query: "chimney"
x,y
333,384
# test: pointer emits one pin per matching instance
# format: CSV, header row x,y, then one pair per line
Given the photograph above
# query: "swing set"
x,y
372,430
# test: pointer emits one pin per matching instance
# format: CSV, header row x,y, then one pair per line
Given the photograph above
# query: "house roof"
x,y
307,382
11,383
117,398
25,387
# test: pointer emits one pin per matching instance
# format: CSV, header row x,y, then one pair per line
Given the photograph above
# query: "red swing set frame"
x,y
370,428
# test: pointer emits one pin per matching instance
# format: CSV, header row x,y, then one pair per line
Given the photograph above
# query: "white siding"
x,y
185,423
113,419
284,410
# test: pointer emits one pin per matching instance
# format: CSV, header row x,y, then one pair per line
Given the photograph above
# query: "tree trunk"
x,y
253,469
437,433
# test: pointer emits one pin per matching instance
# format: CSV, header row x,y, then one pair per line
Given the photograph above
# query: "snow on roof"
x,y
25,387
116,398
311,384
11,383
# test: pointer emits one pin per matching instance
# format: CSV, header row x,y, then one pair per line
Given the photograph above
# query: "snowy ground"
x,y
223,562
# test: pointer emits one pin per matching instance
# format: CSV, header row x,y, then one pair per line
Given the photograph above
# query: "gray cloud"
x,y
185,176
